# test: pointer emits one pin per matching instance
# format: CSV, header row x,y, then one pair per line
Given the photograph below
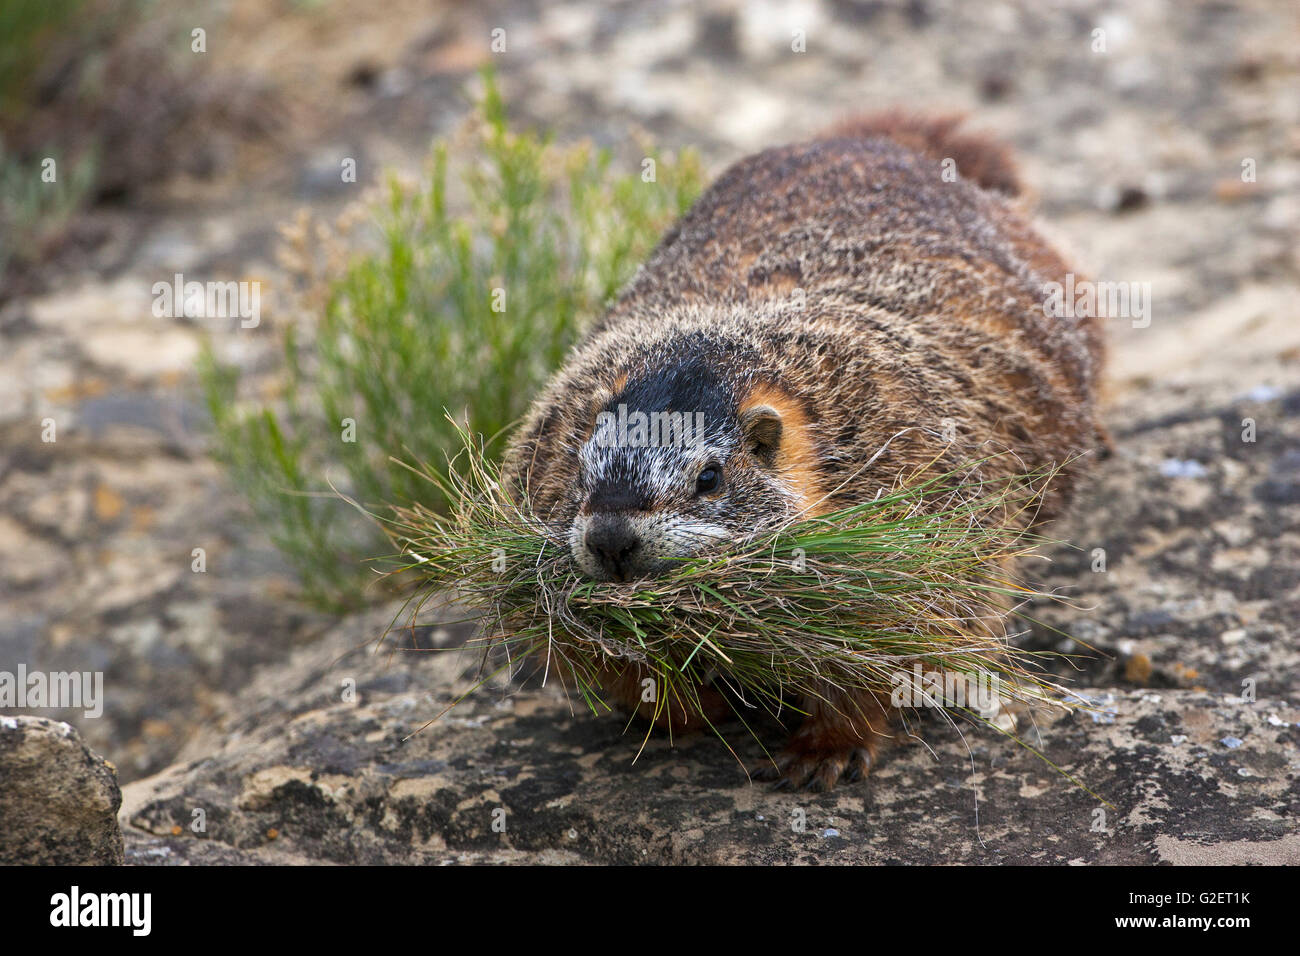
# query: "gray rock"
x,y
58,800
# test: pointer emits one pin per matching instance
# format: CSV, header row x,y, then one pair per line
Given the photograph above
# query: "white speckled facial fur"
x,y
666,472
667,475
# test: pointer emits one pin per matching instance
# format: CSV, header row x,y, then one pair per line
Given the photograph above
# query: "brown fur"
x,y
846,284
982,160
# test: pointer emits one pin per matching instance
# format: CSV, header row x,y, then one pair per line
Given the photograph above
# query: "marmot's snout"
x,y
613,542
625,545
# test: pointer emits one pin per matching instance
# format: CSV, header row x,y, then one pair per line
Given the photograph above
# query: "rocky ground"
x,y
224,695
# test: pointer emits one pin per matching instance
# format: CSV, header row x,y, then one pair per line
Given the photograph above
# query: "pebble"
x,y
1100,709
1260,393
1182,468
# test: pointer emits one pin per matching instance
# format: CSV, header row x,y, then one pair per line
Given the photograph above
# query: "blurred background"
x,y
186,136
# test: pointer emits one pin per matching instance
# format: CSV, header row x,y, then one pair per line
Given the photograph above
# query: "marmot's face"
x,y
659,480
643,505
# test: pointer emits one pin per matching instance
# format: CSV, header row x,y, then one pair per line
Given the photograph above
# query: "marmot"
x,y
817,300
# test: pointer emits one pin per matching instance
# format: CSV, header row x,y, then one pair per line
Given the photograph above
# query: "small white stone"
x,y
1182,468
1261,393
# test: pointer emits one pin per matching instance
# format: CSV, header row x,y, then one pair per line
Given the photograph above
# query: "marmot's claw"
x,y
859,765
817,771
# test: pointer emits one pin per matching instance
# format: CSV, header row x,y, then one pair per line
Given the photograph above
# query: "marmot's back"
x,y
866,218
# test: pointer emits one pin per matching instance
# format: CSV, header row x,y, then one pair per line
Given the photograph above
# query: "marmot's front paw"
x,y
803,766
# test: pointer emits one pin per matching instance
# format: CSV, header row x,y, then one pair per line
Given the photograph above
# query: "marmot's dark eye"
x,y
709,480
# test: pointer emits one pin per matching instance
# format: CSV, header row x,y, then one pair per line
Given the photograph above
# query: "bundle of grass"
x,y
906,595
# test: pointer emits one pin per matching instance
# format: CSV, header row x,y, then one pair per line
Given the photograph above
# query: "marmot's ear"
x,y
761,426
596,403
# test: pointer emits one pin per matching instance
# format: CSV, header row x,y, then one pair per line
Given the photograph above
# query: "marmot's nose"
x,y
614,542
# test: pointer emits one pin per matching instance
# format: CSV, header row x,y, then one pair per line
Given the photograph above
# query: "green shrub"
x,y
32,210
28,27
467,302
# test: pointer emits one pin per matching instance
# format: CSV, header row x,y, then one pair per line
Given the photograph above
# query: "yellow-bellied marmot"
x,y
816,301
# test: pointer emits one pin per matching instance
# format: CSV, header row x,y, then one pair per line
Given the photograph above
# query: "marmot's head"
x,y
679,457
675,431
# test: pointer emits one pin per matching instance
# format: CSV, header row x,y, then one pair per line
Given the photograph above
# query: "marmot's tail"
x,y
979,158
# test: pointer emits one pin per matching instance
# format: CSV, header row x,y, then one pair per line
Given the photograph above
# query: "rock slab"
x,y
58,800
